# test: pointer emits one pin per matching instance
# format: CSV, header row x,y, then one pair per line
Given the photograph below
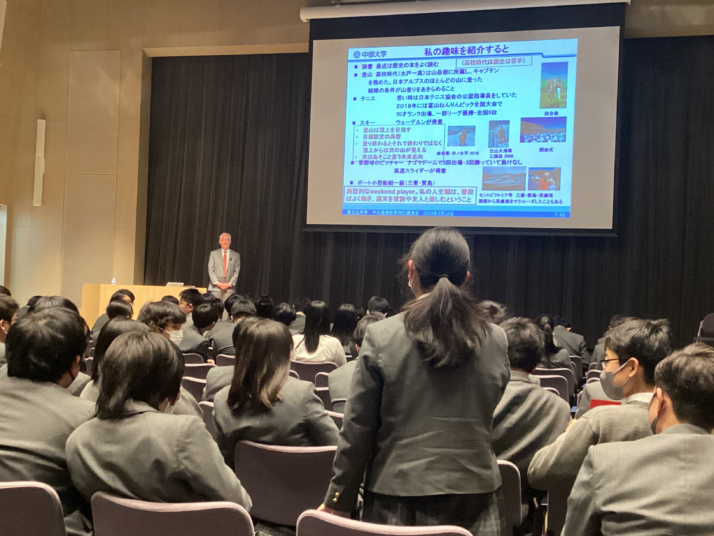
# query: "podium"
x,y
95,297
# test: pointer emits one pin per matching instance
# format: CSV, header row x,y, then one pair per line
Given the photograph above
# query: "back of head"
x,y
705,333
119,309
547,325
264,307
377,304
138,366
44,345
110,331
50,302
345,323
361,329
446,324
191,296
301,304
648,341
285,314
262,364
317,322
230,300
687,376
242,309
8,308
123,294
170,299
157,315
208,297
526,343
560,320
494,311
204,315
4,291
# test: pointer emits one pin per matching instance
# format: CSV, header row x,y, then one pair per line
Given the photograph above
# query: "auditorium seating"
x,y
307,369
556,382
199,371
515,511
564,372
191,358
207,411
195,386
225,360
321,379
30,509
324,394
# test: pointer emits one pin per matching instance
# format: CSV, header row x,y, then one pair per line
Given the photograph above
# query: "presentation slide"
x,y
506,130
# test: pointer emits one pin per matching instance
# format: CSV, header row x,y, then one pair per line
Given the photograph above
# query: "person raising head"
x,y
139,378
426,381
262,403
315,343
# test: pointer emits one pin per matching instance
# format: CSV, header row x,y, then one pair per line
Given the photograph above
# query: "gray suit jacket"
x,y
574,343
298,324
217,379
153,457
656,486
591,391
527,419
414,429
215,269
36,418
193,341
222,336
339,382
298,420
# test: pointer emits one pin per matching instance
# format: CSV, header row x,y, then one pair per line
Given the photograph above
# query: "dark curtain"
x,y
229,143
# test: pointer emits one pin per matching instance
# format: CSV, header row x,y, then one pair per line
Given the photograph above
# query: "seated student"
x,y
123,294
573,342
377,304
633,350
496,312
661,484
8,316
528,417
194,340
264,307
132,449
340,379
298,324
221,335
592,392
170,299
285,314
209,298
25,308
599,350
119,308
344,325
314,343
555,356
37,413
189,299
263,403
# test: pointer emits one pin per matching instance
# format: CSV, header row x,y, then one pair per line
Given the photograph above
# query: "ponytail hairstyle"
x,y
317,322
140,366
547,325
447,324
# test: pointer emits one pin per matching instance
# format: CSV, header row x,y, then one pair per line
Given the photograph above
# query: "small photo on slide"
x,y
554,85
498,134
544,178
461,136
504,178
543,129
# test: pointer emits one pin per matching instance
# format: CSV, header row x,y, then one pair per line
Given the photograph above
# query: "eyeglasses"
x,y
608,360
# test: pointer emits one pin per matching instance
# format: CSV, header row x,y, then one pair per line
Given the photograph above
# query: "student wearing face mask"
x,y
632,351
661,484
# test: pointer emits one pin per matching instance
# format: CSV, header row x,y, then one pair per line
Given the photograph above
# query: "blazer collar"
x,y
685,428
135,407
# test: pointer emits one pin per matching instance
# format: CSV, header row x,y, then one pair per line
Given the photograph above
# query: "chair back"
x,y
552,390
195,386
294,374
324,394
314,523
591,380
511,489
207,411
578,362
337,417
321,379
227,350
557,508
308,369
29,509
564,372
89,365
197,371
115,516
283,482
556,382
225,360
192,358
593,374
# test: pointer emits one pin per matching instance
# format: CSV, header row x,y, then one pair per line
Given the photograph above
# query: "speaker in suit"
x,y
217,274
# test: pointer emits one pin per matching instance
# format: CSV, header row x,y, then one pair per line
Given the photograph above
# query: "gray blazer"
x,y
222,336
591,391
215,269
151,456
298,420
339,381
574,343
36,418
298,324
217,379
527,419
658,485
416,430
193,341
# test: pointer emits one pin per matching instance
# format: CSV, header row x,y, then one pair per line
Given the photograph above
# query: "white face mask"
x,y
176,336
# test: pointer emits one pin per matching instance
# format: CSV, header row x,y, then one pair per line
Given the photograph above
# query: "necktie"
x,y
225,263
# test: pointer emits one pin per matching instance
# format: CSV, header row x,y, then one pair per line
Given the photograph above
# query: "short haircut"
x,y
119,308
230,300
285,314
50,302
648,341
687,376
496,312
208,297
44,345
363,324
170,299
264,307
204,315
158,314
192,296
526,343
301,304
121,293
110,331
560,320
145,367
242,308
377,304
4,291
8,308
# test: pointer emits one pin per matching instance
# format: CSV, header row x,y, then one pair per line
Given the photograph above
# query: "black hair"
x,y
204,315
170,299
208,297
648,341
119,308
110,331
50,302
32,301
345,323
361,329
145,367
264,307
560,320
230,300
494,311
4,291
526,343
8,308
377,304
301,304
157,315
242,309
44,345
285,314
687,376
119,295
446,324
317,322
546,324
191,296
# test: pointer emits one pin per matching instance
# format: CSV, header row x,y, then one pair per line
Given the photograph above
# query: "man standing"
x,y
223,268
